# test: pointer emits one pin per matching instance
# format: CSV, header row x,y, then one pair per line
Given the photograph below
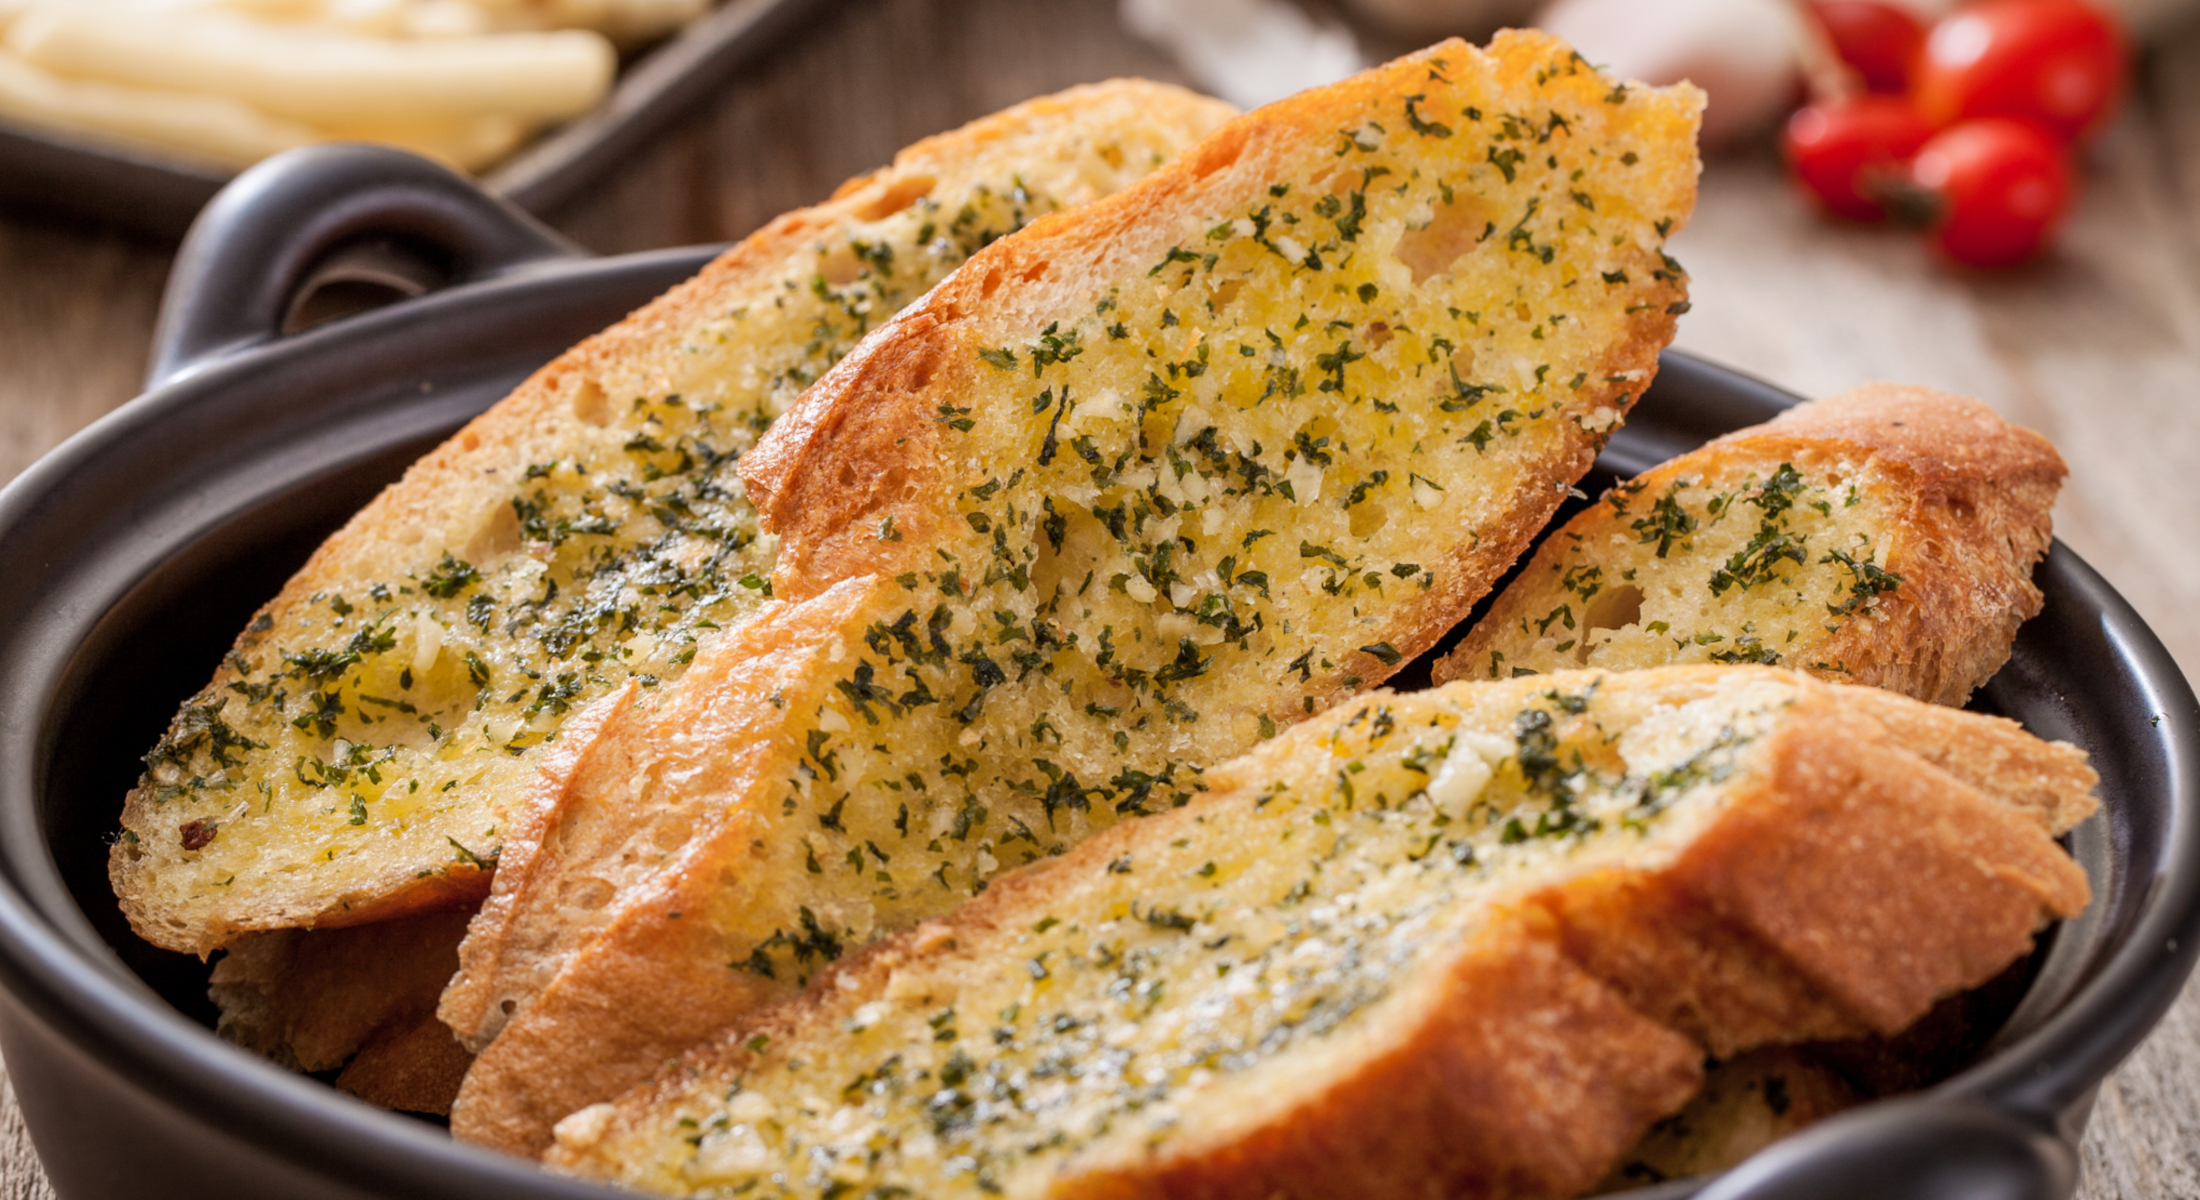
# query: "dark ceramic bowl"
x,y
131,555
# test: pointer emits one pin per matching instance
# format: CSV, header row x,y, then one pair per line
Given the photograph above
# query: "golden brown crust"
x,y
860,480
534,844
1842,882
456,499
411,1067
855,447
642,996
1679,961
1486,1097
1970,497
310,999
1884,880
2051,782
1803,916
1980,496
571,1003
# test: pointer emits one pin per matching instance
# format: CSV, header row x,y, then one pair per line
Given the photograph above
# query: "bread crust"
x,y
1481,1099
863,445
455,501
568,1005
860,480
1842,883
1971,499
309,1002
411,1067
1981,494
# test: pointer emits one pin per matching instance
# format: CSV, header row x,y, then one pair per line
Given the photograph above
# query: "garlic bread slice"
x,y
1473,941
358,753
1883,536
1139,486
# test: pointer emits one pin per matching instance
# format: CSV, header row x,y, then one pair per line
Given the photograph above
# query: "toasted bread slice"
x,y
1883,536
355,757
1136,487
413,1066
309,1000
1471,941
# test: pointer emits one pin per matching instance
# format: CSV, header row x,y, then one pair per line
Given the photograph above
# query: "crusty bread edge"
x,y
860,444
419,501
1649,1068
1978,498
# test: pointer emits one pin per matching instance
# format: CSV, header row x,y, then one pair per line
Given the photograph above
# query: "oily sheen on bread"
x,y
1471,941
1134,489
357,754
1883,536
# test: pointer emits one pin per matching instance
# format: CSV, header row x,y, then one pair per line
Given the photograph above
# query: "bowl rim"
x,y
102,1009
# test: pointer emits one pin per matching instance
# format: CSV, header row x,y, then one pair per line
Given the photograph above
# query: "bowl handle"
x,y
1919,1148
267,242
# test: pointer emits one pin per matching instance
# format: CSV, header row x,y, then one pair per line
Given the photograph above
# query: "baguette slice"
x,y
357,754
1471,941
308,1000
1134,488
1883,536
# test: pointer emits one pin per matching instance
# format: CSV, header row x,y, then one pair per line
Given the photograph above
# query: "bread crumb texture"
x,y
358,752
1199,475
1400,950
1884,536
1135,489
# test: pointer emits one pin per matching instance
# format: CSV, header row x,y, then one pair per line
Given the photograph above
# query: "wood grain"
x,y
2097,345
76,318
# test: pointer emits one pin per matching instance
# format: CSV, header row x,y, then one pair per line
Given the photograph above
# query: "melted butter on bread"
x,y
1139,486
1285,986
1883,536
359,752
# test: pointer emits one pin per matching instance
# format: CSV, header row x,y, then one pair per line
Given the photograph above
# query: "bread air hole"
x,y
586,893
1609,611
670,831
839,266
898,195
1084,541
497,535
1452,230
590,404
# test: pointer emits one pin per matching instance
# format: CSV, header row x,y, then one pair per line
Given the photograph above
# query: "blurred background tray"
x,y
148,194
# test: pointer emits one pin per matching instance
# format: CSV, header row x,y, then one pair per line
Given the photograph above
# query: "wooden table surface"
x,y
2097,345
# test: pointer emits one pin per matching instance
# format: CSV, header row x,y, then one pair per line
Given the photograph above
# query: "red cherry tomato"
x,y
2000,186
2059,63
1880,40
1836,148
